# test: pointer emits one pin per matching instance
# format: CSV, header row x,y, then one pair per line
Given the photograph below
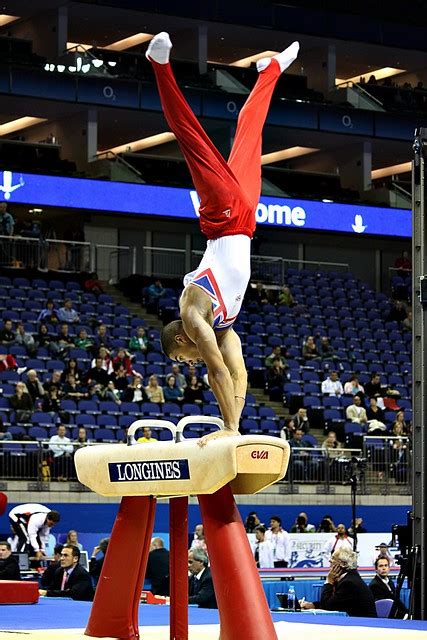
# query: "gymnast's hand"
x,y
215,435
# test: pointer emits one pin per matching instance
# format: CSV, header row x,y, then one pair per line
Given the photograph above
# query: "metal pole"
x,y
419,334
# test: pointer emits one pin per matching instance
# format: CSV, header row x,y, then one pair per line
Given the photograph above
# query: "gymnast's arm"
x,y
202,334
231,350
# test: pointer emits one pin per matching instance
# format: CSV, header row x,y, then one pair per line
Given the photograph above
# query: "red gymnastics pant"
x,y
229,191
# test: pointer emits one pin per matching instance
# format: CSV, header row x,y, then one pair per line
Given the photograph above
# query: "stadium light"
x,y
6,19
18,124
379,74
392,170
286,154
128,43
143,143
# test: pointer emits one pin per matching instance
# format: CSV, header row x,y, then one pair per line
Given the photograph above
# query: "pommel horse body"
x,y
176,469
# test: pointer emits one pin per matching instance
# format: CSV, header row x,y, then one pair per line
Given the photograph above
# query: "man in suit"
x,y
383,587
9,568
344,589
158,568
200,587
71,580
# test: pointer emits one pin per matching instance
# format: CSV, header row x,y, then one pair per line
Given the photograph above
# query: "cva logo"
x,y
259,455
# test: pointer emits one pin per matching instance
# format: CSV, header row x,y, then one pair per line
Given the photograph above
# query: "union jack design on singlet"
x,y
206,281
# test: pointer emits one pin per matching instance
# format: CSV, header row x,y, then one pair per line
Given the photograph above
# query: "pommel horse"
x,y
141,473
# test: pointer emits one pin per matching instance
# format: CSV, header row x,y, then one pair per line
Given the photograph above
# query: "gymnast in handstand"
x,y
229,193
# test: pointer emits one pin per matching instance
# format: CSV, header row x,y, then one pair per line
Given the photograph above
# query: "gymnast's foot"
x,y
216,435
159,48
285,59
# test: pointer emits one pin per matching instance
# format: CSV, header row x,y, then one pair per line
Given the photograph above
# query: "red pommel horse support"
x,y
141,473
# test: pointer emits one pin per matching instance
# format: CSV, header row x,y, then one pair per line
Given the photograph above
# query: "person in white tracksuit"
x,y
32,523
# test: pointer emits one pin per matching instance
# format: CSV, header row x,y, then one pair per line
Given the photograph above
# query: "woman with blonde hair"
x,y
72,538
154,391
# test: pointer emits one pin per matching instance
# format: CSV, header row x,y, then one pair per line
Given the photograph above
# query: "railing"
x,y
389,461
110,155
320,467
164,263
362,96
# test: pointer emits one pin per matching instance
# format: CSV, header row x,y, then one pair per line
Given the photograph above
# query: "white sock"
x,y
285,58
159,48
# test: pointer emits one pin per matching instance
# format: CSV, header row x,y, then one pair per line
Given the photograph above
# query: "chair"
x,y
383,607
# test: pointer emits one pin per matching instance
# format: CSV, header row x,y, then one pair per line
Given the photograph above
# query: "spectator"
x,y
139,342
111,393
9,567
398,312
353,386
47,341
332,385
262,549
400,428
301,420
95,565
339,541
4,433
326,350
172,392
326,525
252,522
51,402
121,359
21,402
82,439
275,381
93,284
301,465
49,573
72,538
83,341
200,587
407,322
7,222
180,380
102,339
120,379
154,391
381,551
383,587
301,524
67,313
48,315
135,392
276,354
106,363
259,294
359,527
332,446
356,412
34,386
399,466
7,361
374,412
199,540
288,429
155,292
158,568
373,388
285,297
280,542
309,349
404,263
344,589
97,374
32,523
147,436
25,339
7,334
55,381
71,580
72,368
193,391
64,340
62,450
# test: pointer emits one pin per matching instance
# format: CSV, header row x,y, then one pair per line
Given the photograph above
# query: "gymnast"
x,y
229,193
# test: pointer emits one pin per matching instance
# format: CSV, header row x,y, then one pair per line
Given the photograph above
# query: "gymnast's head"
x,y
177,345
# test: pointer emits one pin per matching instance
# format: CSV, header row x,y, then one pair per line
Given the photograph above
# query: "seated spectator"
x,y
4,433
155,292
199,540
262,549
21,402
383,587
407,323
83,341
276,354
301,420
46,340
82,438
71,580
93,284
51,402
374,412
326,525
106,363
122,359
9,567
398,312
140,342
332,446
332,385
102,339
72,538
48,574
111,393
146,436
154,391
97,374
65,341
191,371
252,522
302,525
62,450
309,349
179,377
326,350
72,390
259,294
288,429
158,568
300,457
359,527
285,297
67,313
54,381
399,467
7,334
356,412
404,263
400,428
95,566
25,339
171,391
344,589
72,368
135,392
49,314
34,386
120,379
275,381
193,391
200,586
353,386
8,361
391,399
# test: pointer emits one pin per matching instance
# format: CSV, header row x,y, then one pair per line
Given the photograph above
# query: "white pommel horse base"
x,y
177,469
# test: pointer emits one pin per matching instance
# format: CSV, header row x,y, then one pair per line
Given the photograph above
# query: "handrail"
x,y
197,252
397,187
355,85
121,160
